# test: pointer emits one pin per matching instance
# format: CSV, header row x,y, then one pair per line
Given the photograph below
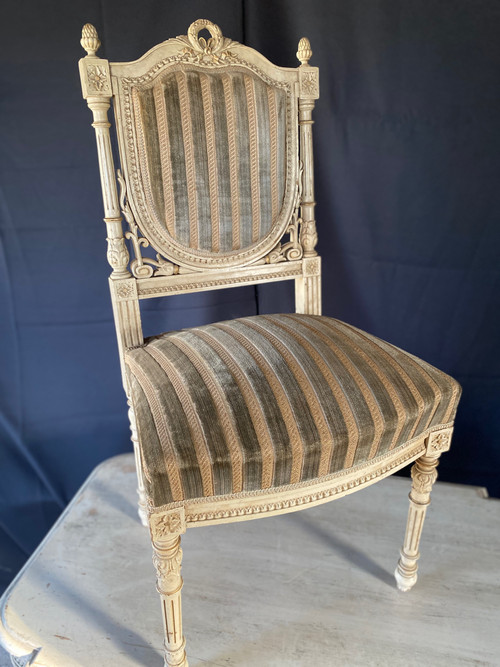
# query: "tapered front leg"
x,y
167,557
423,474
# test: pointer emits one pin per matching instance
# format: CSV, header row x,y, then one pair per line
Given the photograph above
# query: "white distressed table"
x,y
313,588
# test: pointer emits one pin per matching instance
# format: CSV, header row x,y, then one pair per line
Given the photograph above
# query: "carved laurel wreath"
x,y
214,48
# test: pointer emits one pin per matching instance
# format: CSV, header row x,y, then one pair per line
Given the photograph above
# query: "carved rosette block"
x,y
308,288
125,289
166,528
312,266
164,525
439,441
309,83
98,78
423,474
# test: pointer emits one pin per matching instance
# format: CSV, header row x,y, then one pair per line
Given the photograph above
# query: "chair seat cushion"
x,y
270,400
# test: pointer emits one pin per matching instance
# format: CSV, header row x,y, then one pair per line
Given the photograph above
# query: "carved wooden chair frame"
x,y
177,270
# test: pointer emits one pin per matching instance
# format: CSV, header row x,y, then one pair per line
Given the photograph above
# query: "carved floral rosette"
x,y
309,83
439,441
166,525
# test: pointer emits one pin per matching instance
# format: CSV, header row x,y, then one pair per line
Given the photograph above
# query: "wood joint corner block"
x,y
439,441
311,266
125,290
308,82
167,525
95,77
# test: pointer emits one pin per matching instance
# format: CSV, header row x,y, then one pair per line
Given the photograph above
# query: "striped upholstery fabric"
x,y
265,401
212,149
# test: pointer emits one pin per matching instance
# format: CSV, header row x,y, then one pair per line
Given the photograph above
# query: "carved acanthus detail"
x,y
308,235
141,267
292,250
206,51
117,253
423,474
168,569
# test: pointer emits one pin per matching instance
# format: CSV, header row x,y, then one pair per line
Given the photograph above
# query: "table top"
x,y
310,588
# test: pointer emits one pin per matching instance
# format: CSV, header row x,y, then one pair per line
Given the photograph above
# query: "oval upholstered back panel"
x,y
212,154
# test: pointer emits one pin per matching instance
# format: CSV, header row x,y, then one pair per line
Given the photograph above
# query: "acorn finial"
x,y
304,51
90,41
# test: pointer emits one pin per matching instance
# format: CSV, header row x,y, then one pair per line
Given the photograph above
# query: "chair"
x,y
260,415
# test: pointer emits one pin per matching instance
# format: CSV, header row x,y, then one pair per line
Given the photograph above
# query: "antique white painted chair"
x,y
260,415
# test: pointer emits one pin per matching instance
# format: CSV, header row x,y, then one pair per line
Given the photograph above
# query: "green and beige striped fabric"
x,y
265,401
212,148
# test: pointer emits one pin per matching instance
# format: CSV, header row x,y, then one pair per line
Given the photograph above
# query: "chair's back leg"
x,y
141,491
424,475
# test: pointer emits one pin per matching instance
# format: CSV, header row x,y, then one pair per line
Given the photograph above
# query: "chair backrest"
x,y
216,168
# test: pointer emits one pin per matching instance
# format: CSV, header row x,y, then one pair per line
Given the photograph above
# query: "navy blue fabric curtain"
x,y
407,171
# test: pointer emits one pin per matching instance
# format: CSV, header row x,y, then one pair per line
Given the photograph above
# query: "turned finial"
x,y
304,51
90,41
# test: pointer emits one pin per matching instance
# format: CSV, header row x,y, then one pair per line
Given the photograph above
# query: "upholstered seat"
x,y
265,401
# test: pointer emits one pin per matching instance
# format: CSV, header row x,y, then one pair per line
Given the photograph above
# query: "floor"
x,y
312,588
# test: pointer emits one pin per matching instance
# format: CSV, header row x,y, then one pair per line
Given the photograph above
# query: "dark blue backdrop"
x,y
407,172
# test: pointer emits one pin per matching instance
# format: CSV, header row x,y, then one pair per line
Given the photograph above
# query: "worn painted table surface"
x,y
313,588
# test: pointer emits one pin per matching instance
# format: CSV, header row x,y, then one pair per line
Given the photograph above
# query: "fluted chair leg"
x,y
424,475
141,492
167,558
